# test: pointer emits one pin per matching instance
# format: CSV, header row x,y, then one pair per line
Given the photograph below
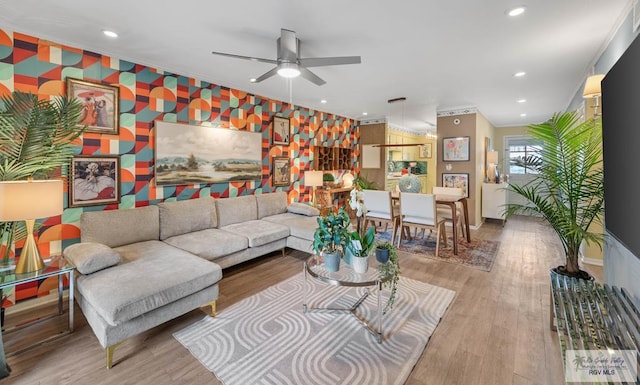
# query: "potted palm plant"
x,y
35,140
567,188
331,237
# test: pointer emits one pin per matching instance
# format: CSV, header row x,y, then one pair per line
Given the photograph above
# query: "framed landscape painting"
x,y
94,180
457,180
100,105
281,172
455,149
187,154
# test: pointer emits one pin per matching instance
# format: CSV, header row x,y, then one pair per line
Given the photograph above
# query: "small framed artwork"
x,y
457,180
100,105
94,180
281,172
455,149
281,130
425,150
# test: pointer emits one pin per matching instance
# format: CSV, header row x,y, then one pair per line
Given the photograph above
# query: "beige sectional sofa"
x,y
138,268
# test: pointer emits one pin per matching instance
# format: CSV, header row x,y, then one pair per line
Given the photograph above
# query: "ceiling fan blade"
x,y
287,46
329,61
246,57
266,75
310,76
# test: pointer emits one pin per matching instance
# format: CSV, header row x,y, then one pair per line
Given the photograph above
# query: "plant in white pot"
x,y
567,188
331,237
361,247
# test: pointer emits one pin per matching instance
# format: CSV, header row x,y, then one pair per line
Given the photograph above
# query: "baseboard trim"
x,y
593,261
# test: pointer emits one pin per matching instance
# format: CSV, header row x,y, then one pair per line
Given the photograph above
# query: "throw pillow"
x,y
303,209
89,257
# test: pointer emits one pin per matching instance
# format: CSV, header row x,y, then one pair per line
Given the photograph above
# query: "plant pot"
x,y
331,261
360,264
382,255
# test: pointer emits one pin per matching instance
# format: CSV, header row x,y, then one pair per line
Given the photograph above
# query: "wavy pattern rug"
x,y
267,339
479,254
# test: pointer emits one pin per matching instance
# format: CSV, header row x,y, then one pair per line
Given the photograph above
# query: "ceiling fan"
x,y
289,64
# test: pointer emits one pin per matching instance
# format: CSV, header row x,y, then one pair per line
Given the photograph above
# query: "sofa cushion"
x,y
236,210
210,243
181,217
120,227
303,209
89,257
300,226
151,274
271,204
258,232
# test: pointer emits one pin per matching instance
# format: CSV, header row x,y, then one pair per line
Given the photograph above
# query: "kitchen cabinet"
x,y
494,199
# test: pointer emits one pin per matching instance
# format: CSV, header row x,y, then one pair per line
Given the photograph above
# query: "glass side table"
x,y
346,276
57,266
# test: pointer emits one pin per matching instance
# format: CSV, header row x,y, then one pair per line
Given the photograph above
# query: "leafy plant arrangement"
x,y
364,184
567,189
362,246
35,140
391,268
332,233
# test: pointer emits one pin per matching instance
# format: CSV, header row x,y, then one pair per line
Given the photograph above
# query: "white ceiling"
x,y
440,55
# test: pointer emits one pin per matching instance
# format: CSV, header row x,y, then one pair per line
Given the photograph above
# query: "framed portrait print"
x,y
425,150
94,180
281,172
281,130
457,180
455,149
100,105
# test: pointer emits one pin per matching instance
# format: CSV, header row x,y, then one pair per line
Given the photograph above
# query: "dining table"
x,y
450,201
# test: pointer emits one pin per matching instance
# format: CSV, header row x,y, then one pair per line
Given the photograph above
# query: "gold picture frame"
x,y
94,180
281,171
100,105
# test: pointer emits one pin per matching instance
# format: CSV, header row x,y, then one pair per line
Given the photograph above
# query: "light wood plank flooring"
x,y
495,332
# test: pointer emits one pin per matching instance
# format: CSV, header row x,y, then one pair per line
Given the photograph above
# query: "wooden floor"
x,y
495,332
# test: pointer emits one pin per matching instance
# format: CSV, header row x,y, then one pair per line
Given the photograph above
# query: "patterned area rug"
x,y
479,254
267,339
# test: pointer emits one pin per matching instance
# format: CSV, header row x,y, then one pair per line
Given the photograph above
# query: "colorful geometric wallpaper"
x,y
147,94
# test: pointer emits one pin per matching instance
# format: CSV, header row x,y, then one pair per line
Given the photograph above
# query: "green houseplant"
x,y
390,268
35,141
567,189
360,247
331,237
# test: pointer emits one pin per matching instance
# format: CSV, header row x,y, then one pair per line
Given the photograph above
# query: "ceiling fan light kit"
x,y
289,64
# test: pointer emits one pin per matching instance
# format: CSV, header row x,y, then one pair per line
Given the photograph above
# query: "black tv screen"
x,y
621,145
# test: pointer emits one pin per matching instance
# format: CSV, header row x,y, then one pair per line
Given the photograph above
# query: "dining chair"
x,y
379,208
445,211
419,210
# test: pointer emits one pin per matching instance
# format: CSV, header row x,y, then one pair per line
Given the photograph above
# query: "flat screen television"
x,y
621,145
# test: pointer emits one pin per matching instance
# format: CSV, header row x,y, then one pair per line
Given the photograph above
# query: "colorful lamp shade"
x,y
28,201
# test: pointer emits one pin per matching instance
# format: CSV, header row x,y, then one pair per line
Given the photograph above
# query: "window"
x,y
518,150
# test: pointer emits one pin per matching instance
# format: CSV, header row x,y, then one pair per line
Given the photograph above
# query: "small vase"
x,y
360,264
331,261
382,255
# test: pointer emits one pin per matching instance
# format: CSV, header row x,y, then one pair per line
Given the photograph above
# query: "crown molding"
x,y
458,111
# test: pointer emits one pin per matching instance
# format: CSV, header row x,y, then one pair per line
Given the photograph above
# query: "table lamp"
x,y
29,200
313,179
347,180
492,171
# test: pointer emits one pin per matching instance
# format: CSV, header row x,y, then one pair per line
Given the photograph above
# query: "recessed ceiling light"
x,y
252,80
108,33
521,100
523,115
365,114
323,101
516,11
519,74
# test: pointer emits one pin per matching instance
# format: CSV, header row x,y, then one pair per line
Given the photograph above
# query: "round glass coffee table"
x,y
346,276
